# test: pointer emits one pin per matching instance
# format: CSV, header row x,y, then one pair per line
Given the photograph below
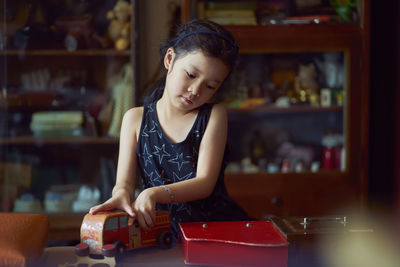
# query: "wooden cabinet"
x,y
303,192
53,58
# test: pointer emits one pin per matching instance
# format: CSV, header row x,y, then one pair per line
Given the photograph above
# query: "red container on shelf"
x,y
328,159
237,243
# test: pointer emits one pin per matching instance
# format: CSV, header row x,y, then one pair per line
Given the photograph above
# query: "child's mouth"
x,y
187,100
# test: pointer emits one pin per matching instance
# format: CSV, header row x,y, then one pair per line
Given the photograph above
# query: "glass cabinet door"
x,y
65,83
287,110
297,104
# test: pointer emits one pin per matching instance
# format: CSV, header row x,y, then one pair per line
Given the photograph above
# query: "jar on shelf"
x,y
332,152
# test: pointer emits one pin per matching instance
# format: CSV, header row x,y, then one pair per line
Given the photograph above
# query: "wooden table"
x,y
150,256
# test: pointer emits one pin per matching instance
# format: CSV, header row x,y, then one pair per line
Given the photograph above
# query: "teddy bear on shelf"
x,y
306,84
120,25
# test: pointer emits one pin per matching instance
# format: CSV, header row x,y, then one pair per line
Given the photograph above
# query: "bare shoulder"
x,y
134,114
132,119
218,113
218,119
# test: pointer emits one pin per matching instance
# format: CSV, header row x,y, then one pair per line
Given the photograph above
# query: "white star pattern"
x,y
146,156
144,133
177,178
179,160
149,175
154,129
162,154
157,178
149,110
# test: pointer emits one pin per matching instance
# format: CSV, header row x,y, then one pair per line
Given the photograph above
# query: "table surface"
x,y
150,256
154,256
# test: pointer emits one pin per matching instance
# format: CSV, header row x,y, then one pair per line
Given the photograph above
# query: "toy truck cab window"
x,y
123,221
112,224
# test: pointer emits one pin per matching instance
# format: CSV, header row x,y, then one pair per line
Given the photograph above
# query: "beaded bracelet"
x,y
171,195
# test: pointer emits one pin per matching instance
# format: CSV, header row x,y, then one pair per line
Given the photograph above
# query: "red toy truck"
x,y
101,230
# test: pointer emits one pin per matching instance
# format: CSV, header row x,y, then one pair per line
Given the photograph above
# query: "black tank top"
x,y
163,162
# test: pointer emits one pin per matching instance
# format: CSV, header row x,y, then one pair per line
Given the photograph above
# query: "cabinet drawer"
x,y
262,194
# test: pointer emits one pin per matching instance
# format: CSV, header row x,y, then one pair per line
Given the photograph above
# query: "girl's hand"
x,y
145,208
120,200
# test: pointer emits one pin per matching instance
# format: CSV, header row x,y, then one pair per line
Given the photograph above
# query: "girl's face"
x,y
193,78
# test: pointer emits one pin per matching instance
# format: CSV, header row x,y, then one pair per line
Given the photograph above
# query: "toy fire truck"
x,y
108,233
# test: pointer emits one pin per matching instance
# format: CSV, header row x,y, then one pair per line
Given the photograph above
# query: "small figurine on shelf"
x,y
78,32
306,85
120,25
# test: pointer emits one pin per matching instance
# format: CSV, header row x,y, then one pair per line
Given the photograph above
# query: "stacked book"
x,y
229,13
57,123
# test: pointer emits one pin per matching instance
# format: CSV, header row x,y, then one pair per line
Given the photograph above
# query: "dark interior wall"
x,y
397,143
383,118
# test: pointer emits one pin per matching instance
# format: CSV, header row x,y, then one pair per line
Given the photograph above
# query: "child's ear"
x,y
169,58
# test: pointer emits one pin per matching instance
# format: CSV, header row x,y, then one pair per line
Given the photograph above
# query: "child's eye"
x,y
210,87
191,76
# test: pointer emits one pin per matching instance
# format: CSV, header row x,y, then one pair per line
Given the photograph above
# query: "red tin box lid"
x,y
250,233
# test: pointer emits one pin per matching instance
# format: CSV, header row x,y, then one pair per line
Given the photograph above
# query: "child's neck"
x,y
170,112
175,123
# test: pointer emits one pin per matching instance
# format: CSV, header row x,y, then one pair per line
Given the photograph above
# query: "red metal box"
x,y
238,243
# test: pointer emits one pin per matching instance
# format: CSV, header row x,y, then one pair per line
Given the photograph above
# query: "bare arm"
x,y
123,191
211,152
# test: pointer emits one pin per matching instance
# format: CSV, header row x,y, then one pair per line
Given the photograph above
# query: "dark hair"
x,y
204,35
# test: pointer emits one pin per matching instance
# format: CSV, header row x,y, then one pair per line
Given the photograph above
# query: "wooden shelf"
x,y
295,38
322,174
60,52
292,109
79,140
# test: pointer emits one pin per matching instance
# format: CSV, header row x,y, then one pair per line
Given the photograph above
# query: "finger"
x,y
153,217
104,206
141,221
128,209
130,221
147,218
93,209
131,215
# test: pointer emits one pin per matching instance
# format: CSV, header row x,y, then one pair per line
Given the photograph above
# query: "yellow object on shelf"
x,y
253,102
57,117
57,123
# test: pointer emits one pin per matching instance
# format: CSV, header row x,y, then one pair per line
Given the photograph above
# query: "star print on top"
x,y
163,162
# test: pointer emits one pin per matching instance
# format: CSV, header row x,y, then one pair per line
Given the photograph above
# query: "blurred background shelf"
x,y
292,109
58,52
31,140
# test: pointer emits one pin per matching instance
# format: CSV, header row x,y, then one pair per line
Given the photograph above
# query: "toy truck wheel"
x,y
120,247
164,239
82,250
109,250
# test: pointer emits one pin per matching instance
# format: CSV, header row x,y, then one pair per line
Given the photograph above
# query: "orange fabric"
x,y
23,237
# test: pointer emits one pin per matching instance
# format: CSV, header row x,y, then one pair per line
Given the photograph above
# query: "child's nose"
x,y
194,89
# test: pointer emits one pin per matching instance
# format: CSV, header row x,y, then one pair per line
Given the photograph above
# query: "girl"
x,y
179,138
